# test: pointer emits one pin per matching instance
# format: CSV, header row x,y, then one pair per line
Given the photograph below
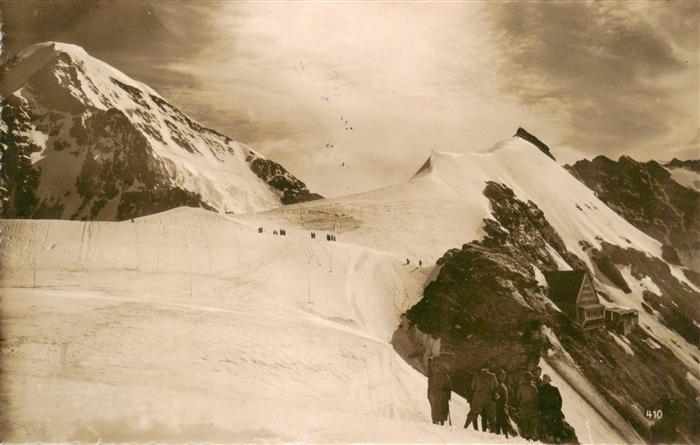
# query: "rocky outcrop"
x,y
645,194
486,307
292,189
531,138
609,270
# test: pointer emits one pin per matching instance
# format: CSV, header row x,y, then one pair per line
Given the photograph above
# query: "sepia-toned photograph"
x,y
350,222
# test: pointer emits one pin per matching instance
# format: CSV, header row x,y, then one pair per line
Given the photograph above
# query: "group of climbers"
x,y
534,403
283,232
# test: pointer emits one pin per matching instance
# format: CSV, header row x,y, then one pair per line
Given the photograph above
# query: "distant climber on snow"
x,y
439,390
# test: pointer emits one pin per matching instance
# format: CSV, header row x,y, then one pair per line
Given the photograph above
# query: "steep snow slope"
x,y
104,146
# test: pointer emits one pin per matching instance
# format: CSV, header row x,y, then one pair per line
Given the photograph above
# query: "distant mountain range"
x,y
661,200
81,140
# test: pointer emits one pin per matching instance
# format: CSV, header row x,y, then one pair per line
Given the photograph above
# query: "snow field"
x,y
130,350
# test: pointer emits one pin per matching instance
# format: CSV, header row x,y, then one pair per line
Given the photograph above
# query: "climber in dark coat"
x,y
439,391
551,417
502,424
483,386
528,404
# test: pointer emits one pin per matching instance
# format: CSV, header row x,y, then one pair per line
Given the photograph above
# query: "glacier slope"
x,y
190,326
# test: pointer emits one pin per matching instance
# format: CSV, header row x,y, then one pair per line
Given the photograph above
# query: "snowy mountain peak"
x,y
53,48
513,152
435,158
71,65
95,144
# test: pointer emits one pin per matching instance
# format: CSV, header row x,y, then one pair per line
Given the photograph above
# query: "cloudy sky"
x,y
384,83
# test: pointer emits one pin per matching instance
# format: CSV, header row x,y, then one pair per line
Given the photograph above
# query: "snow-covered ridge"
x,y
35,57
570,206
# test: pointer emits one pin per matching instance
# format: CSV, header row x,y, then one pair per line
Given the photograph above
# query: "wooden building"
x,y
621,320
573,292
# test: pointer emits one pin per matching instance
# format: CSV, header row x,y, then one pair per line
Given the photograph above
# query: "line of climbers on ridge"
x,y
535,405
283,232
329,237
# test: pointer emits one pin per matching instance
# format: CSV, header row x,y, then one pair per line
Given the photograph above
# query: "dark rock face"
x,y
646,196
669,254
292,189
487,308
523,228
524,134
19,178
632,383
678,304
607,268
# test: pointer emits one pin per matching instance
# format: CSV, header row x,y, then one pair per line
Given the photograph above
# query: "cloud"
x,y
591,78
407,77
618,74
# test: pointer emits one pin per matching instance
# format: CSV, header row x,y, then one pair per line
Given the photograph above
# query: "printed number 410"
x,y
654,414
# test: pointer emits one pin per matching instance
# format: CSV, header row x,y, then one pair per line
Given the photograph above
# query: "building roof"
x,y
563,289
620,310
